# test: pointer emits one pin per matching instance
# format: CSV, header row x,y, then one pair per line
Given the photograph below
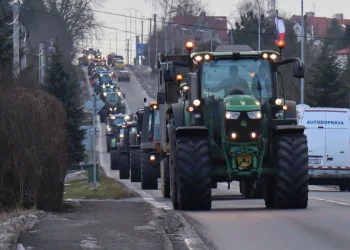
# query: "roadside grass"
x,y
107,189
15,213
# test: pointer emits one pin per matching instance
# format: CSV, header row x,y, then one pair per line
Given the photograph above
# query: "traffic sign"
x,y
89,105
140,49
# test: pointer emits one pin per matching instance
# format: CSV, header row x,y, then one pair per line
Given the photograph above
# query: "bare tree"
x,y
78,15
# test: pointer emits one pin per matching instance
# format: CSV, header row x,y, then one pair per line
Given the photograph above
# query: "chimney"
x,y
339,16
310,14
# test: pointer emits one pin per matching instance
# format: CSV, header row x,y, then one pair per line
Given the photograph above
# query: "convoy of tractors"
x,y
219,117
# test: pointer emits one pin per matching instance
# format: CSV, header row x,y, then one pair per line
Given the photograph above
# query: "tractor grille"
x,y
243,133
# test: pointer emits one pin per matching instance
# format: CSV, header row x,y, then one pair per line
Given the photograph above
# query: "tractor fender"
x,y
178,114
289,129
292,112
191,131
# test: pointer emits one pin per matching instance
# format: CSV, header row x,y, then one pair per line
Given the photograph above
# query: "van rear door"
x,y
337,141
315,131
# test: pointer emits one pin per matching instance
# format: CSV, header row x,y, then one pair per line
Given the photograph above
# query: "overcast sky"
x,y
225,8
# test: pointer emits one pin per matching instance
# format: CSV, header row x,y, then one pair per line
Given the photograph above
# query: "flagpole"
x,y
302,51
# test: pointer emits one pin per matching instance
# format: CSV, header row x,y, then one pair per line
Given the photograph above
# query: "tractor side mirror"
x,y
123,95
161,97
169,74
298,69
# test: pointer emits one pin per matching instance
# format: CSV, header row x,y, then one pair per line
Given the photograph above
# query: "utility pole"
x,y
41,63
259,26
165,27
94,138
302,50
142,31
156,33
16,27
127,50
142,42
137,52
149,43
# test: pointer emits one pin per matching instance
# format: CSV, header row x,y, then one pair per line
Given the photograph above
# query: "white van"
x,y
328,135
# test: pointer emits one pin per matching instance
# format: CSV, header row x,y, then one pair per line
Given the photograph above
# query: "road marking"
x,y
331,201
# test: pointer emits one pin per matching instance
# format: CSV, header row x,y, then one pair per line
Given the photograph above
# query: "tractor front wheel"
x,y
290,187
149,173
135,165
124,167
165,178
193,180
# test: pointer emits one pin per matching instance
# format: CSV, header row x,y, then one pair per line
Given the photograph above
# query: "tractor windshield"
x,y
228,77
118,121
112,97
106,79
156,122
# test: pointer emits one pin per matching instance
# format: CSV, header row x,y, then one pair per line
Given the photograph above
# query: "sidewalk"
x,y
126,224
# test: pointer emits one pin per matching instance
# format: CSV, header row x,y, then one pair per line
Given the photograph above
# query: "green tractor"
x,y
135,150
113,126
237,126
150,147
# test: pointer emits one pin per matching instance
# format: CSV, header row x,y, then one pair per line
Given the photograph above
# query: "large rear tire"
x,y
165,178
124,167
193,174
108,142
135,165
114,159
290,188
149,173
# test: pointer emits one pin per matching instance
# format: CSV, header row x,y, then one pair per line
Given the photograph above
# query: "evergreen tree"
x,y
64,86
325,87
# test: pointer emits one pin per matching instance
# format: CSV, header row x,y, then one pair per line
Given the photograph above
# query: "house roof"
x,y
343,52
217,23
321,24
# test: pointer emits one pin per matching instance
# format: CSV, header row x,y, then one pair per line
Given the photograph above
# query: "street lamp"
x,y
222,19
182,28
211,38
259,26
130,39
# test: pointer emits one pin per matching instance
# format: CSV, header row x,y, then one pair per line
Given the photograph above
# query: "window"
x,y
222,77
156,135
106,78
119,121
112,97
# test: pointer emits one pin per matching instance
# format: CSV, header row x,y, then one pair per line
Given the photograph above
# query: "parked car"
x,y
124,76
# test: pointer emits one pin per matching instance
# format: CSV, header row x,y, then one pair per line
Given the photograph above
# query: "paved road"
x,y
246,224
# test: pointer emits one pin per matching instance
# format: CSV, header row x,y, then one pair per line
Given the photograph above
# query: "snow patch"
x,y
89,243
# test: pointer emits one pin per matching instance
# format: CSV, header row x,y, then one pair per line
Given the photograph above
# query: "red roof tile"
x,y
320,24
214,22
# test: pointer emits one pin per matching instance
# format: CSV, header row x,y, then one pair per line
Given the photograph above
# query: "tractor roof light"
x,y
286,107
198,58
281,44
278,102
265,55
127,117
189,109
196,102
273,57
207,57
155,106
179,78
189,45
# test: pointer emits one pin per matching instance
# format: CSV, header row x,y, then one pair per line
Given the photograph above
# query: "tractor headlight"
x,y
109,129
110,109
127,118
112,117
115,108
105,94
196,102
121,136
278,102
232,115
233,135
254,115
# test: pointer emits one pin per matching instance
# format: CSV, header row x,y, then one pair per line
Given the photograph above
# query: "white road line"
x,y
331,201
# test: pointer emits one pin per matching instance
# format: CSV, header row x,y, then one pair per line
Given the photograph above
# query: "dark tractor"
x,y
130,137
135,150
113,125
237,126
114,104
117,143
150,147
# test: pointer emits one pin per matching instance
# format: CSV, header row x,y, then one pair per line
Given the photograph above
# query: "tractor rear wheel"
x,y
124,167
193,174
149,173
114,159
135,165
108,142
165,178
290,187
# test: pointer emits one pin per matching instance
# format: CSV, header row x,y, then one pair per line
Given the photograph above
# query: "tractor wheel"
x,y
193,174
290,187
108,143
165,178
114,155
124,167
149,172
135,166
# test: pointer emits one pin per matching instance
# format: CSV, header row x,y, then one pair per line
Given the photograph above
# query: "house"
x,y
191,26
316,27
342,56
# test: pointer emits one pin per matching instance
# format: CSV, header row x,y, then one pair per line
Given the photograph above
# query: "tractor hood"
x,y
241,103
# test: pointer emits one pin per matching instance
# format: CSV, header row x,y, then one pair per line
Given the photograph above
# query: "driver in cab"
x,y
234,85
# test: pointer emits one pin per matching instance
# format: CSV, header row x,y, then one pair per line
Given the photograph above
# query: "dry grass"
x,y
15,213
